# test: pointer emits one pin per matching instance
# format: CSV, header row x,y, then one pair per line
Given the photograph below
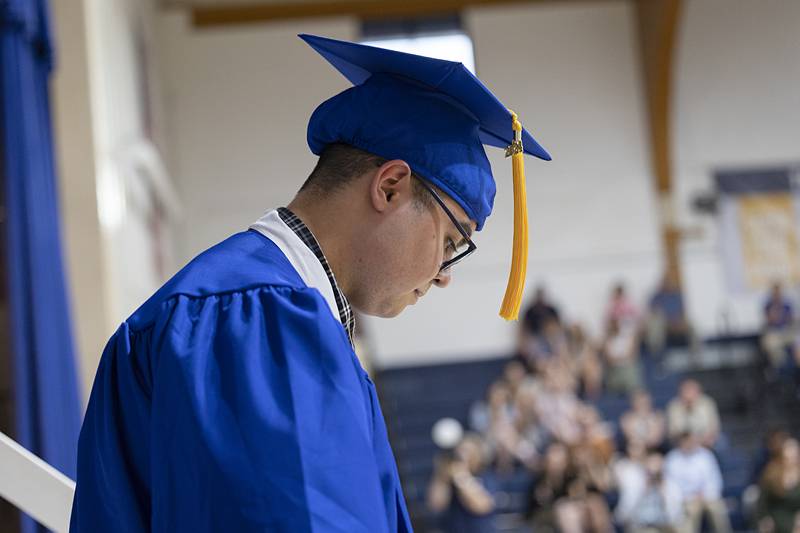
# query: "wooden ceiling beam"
x,y
657,23
253,13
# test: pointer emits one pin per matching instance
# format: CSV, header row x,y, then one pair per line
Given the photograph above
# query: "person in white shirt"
x,y
696,473
648,502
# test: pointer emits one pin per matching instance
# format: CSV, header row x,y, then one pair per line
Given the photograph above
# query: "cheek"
x,y
417,238
410,257
428,253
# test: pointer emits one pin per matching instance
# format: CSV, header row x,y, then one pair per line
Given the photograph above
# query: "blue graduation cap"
x,y
435,115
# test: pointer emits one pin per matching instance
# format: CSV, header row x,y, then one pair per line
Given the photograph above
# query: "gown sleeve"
x,y
259,422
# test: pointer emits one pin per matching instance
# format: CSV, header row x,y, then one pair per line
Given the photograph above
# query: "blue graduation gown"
x,y
232,401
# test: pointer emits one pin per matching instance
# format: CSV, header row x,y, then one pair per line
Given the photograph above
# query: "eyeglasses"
x,y
455,252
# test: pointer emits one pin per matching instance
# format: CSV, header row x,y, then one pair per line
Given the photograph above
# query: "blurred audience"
x,y
597,435
768,452
621,352
696,473
668,325
586,363
540,336
649,502
515,376
540,310
551,488
779,501
558,405
621,308
628,466
460,492
536,422
693,412
642,423
564,497
496,408
550,344
778,339
532,437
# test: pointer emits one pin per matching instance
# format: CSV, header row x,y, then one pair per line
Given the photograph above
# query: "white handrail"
x,y
34,486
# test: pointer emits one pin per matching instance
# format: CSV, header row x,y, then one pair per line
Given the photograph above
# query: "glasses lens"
x,y
455,250
464,252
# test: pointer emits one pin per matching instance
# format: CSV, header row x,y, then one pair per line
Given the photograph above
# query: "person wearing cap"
x,y
231,400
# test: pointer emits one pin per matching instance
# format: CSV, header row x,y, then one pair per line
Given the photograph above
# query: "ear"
x,y
391,186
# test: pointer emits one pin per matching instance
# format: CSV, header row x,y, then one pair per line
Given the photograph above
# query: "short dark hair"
x,y
339,164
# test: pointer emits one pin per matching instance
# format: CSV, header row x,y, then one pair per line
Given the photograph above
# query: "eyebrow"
x,y
467,227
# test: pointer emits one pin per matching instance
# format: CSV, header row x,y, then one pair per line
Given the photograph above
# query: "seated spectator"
x,y
621,352
461,492
515,376
538,311
561,499
649,502
597,435
642,423
496,420
668,324
585,361
778,339
532,435
695,413
595,482
521,439
779,502
551,486
540,336
558,406
695,471
548,345
496,407
627,467
770,450
621,308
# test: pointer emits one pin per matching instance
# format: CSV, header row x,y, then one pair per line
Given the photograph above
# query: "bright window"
x,y
439,38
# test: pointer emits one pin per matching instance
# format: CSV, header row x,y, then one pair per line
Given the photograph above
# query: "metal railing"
x,y
34,486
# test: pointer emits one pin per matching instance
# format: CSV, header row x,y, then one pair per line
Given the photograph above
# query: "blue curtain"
x,y
47,409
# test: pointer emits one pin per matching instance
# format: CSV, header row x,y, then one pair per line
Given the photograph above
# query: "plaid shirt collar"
x,y
305,235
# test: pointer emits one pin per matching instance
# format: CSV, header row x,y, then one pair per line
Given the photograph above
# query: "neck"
x,y
325,222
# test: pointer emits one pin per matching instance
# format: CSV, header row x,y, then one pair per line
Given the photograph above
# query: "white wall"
x,y
120,34
737,104
571,73
98,115
238,101
74,146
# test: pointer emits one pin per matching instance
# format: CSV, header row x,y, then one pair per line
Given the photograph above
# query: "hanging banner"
x,y
759,228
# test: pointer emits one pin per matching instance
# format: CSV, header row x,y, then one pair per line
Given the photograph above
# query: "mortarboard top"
x,y
436,115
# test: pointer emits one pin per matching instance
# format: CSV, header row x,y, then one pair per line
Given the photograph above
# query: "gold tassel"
x,y
519,257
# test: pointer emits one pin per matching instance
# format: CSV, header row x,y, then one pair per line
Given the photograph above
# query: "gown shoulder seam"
x,y
171,298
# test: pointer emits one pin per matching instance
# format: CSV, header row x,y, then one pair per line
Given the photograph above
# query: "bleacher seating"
x,y
413,399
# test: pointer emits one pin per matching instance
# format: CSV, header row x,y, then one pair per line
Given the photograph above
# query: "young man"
x,y
695,471
232,399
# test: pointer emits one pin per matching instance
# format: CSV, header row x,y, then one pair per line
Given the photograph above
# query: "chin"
x,y
389,310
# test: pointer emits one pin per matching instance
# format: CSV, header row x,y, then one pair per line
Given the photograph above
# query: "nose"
x,y
442,279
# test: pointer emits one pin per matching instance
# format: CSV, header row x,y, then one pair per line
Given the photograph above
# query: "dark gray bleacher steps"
x,y
413,399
